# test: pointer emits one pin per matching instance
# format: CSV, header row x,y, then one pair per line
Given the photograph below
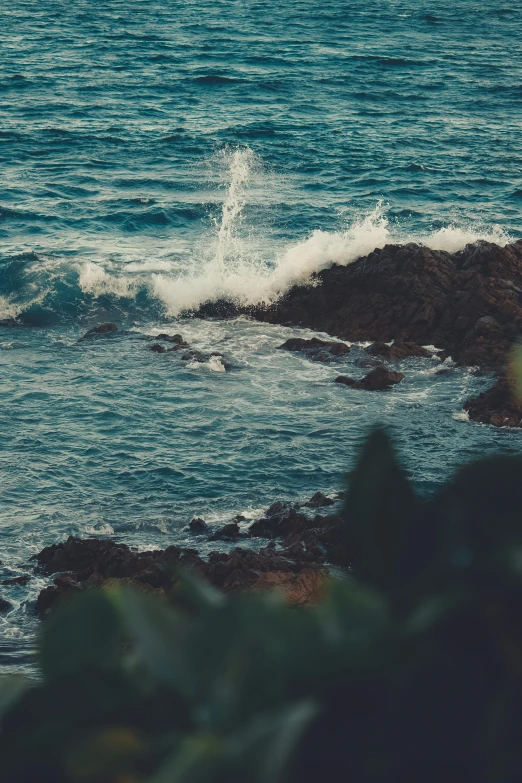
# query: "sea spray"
x,y
227,264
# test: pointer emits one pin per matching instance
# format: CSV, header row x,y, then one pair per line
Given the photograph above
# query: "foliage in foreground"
x,y
412,672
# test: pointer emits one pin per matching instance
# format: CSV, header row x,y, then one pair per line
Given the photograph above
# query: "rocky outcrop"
x,y
399,349
380,379
499,405
92,563
315,349
468,303
176,340
103,329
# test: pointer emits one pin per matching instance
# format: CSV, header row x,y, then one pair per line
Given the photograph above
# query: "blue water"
x,y
155,155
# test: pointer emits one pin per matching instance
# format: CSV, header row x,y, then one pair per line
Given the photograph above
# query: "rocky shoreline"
x,y
295,560
468,304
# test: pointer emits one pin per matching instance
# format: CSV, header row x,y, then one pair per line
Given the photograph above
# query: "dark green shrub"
x,y
408,671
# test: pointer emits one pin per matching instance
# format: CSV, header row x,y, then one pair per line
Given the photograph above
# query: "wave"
x,y
41,289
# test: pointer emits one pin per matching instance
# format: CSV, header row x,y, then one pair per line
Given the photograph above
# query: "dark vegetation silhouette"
x,y
410,669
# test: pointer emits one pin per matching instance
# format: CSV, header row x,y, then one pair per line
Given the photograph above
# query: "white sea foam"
x,y
460,416
7,308
231,267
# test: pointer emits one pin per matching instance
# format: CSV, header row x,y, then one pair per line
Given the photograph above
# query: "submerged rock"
x,y
379,379
318,500
171,338
316,349
399,349
108,328
499,405
17,580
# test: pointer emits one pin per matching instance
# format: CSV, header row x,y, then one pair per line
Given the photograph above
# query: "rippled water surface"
x,y
156,155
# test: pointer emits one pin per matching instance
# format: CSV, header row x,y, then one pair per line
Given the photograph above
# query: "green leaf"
x,y
159,635
197,759
11,691
479,518
83,633
263,751
380,514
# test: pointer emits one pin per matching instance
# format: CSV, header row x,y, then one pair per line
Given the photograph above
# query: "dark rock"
x,y
499,405
366,361
318,500
277,508
51,596
444,371
316,349
399,349
344,379
17,580
196,356
108,328
467,303
279,524
170,338
198,525
4,605
157,348
227,532
379,379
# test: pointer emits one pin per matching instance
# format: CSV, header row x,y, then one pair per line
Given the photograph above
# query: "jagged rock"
x,y
157,348
316,349
108,328
94,563
17,580
227,532
170,338
399,349
318,500
499,405
379,379
277,508
414,294
198,525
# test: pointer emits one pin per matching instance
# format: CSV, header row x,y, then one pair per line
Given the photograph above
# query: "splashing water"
x,y
231,267
229,245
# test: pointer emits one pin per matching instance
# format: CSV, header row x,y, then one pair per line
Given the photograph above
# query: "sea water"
x,y
158,155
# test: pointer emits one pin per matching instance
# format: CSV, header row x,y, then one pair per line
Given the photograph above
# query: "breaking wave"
x,y
229,266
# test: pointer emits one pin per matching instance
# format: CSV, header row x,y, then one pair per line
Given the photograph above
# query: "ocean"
x,y
156,156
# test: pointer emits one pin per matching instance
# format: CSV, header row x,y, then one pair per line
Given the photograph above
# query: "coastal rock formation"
x,y
90,563
379,379
468,303
103,329
499,405
400,349
316,349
